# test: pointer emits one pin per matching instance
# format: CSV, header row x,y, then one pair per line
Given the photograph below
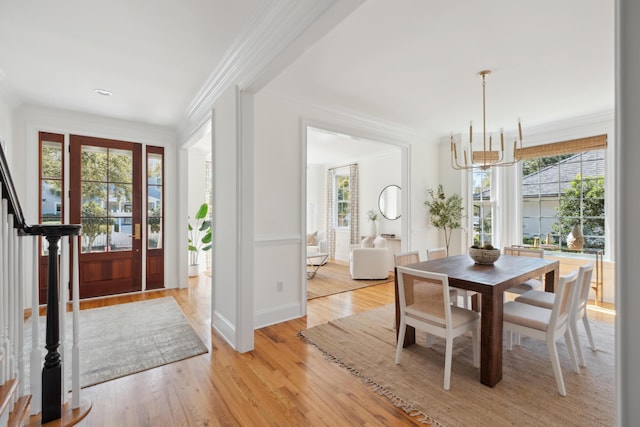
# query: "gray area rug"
x,y
123,339
526,396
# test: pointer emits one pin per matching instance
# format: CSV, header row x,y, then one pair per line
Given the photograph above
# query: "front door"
x,y
106,198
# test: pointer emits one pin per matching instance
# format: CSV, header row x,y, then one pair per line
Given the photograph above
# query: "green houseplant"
x,y
445,213
199,238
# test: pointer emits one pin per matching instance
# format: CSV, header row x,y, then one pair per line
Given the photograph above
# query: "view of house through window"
x,y
560,192
51,180
482,207
342,202
154,200
106,182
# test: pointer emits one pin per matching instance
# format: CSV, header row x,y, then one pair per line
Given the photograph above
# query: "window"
x,y
343,203
154,197
561,191
51,180
482,207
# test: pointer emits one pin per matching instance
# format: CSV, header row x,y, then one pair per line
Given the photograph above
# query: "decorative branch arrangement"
x,y
445,213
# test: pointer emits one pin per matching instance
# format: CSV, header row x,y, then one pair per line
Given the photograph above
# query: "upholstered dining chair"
x,y
578,312
437,253
547,325
531,283
424,304
405,258
412,257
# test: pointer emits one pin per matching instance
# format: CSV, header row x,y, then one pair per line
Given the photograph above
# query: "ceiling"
x,y
414,63
154,56
409,62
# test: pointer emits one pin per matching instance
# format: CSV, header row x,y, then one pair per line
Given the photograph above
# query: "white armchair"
x,y
317,243
370,259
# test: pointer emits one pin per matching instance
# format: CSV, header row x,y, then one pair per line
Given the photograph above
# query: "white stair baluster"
x,y
75,372
36,354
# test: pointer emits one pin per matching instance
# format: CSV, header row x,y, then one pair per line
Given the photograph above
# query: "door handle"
x,y
136,233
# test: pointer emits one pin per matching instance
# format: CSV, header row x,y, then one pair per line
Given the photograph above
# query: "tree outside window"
x,y
560,192
343,203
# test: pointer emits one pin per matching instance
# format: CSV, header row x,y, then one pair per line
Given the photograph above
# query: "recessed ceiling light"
x,y
103,92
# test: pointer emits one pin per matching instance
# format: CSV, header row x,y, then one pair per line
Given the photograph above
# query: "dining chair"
x,y
412,257
425,304
547,325
578,312
529,284
438,253
404,258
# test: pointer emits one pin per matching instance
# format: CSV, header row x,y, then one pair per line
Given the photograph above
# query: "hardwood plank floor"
x,y
283,382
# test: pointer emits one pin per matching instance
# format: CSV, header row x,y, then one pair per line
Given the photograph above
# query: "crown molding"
x,y
266,35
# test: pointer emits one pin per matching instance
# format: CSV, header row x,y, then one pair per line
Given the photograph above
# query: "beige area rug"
x,y
123,339
526,396
333,278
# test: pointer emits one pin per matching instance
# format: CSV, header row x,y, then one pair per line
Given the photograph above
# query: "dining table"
x,y
490,282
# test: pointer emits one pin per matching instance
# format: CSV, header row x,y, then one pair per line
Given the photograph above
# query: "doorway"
x,y
106,198
380,164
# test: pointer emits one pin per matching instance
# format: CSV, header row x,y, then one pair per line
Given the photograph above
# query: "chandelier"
x,y
487,157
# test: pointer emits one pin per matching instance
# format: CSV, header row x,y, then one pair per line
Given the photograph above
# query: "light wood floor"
x,y
283,382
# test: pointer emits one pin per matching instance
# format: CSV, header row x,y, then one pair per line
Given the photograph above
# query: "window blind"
x,y
564,147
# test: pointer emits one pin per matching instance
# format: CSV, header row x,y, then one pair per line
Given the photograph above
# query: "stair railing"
x,y
47,395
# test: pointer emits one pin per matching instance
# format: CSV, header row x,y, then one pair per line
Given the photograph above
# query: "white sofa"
x,y
367,262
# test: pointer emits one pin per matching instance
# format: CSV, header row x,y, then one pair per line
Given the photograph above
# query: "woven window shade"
x,y
597,142
491,156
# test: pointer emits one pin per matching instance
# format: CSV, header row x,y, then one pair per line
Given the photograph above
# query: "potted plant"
x,y
445,213
199,238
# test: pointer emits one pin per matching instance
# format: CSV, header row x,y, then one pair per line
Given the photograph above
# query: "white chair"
x,y
317,243
531,283
405,258
424,304
547,325
438,253
366,262
412,257
579,310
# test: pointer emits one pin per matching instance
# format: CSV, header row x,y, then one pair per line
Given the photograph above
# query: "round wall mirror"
x,y
389,202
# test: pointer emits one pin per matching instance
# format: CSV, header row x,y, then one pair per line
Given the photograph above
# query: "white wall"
x,y
224,212
280,197
197,187
376,172
316,181
29,120
6,129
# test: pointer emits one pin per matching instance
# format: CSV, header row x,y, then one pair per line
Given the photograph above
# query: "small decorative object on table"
x,y
575,239
373,217
485,255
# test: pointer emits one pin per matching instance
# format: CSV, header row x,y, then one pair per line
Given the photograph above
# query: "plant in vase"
x,y
199,238
445,213
373,217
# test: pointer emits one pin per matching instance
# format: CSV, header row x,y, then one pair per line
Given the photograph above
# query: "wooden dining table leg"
x,y
551,280
491,339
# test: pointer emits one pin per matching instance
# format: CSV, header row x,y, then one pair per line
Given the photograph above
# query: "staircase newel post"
x,y
52,370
